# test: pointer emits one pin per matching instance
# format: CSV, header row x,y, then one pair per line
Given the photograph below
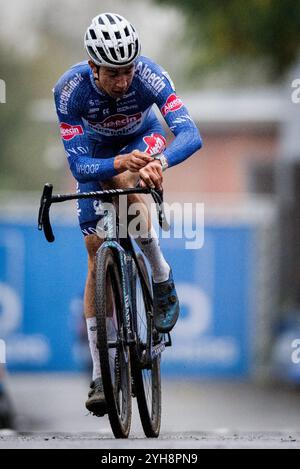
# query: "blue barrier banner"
x,y
41,290
212,336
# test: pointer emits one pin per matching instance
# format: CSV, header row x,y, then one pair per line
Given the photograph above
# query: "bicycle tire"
x,y
114,362
149,400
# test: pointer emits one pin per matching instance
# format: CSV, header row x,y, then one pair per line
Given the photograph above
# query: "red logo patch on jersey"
x,y
118,121
68,131
156,143
172,104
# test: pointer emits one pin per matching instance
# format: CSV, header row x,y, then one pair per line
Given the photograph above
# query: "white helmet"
x,y
112,41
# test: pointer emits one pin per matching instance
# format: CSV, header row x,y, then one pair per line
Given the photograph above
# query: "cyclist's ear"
x,y
95,69
91,64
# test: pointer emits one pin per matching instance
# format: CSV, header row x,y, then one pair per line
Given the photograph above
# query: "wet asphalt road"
x,y
175,441
196,415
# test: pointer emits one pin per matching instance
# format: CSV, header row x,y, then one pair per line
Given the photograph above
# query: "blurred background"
x,y
234,360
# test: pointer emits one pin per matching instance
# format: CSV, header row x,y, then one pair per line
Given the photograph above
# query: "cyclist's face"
x,y
115,81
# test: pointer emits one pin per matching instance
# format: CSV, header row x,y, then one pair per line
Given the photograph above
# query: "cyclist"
x,y
113,139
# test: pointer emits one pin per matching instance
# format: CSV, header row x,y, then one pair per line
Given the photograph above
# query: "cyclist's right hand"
x,y
133,161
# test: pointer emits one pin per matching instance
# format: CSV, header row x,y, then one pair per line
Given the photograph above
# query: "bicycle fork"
x,y
121,260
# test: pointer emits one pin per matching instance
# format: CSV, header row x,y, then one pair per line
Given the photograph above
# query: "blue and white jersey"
x,y
87,114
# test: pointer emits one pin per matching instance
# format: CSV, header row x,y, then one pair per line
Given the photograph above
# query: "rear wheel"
x,y
147,379
114,353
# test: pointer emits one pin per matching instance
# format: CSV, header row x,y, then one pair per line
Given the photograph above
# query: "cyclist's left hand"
x,y
151,175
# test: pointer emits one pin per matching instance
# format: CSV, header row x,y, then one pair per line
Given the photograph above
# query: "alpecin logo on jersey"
x,y
153,80
116,123
68,131
156,143
172,104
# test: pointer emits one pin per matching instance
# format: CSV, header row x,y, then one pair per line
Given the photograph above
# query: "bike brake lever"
x,y
44,217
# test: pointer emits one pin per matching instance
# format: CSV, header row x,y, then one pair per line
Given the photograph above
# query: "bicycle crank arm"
x,y
157,350
161,346
168,343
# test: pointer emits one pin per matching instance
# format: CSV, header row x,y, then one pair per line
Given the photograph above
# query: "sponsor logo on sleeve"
x,y
152,80
68,131
172,104
67,92
77,151
156,143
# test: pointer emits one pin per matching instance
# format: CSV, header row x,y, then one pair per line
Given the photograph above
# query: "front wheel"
x,y
147,378
114,353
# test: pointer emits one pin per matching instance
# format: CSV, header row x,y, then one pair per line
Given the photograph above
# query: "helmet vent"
x,y
122,52
106,35
92,53
100,20
111,19
126,31
118,34
101,51
93,34
113,53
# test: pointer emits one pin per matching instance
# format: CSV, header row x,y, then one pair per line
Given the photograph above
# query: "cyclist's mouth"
x,y
117,93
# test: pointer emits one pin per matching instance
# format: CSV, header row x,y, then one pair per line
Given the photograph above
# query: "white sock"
x,y
151,248
92,336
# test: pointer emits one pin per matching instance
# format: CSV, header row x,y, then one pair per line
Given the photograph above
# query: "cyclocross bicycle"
x,y
130,350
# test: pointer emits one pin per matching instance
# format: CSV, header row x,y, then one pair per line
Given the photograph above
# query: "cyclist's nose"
x,y
122,83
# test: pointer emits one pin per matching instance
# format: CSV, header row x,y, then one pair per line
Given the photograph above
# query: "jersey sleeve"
x,y
84,167
187,137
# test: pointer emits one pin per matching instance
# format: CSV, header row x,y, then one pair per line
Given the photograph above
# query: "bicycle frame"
x,y
122,249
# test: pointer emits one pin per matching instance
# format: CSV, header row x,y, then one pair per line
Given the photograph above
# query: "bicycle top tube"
x,y
48,199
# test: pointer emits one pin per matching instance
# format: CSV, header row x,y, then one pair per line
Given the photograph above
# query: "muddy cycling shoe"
x,y
165,305
96,402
